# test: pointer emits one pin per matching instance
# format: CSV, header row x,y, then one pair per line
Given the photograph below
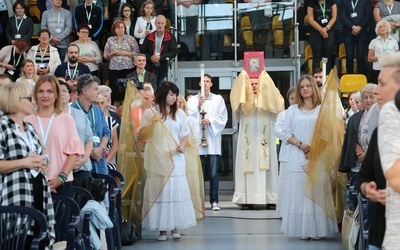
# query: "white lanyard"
x,y
58,16
90,13
390,8
27,139
158,41
18,26
69,71
45,136
354,5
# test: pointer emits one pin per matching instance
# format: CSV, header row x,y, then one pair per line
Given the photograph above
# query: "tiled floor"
x,y
232,228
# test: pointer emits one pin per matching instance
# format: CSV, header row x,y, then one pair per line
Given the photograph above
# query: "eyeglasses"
x,y
65,91
128,10
84,32
29,98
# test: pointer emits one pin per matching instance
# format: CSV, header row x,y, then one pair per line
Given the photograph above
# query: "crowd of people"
x,y
60,124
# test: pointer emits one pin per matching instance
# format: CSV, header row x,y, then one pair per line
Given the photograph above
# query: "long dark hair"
x,y
161,96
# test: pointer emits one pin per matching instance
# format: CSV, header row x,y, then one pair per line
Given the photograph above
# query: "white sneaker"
x,y
214,207
162,237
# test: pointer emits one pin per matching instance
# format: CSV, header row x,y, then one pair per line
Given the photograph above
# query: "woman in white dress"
x,y
167,203
301,216
283,152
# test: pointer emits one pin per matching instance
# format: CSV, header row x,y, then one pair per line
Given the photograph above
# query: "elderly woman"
x,y
113,122
379,46
120,50
44,56
385,9
28,73
11,58
22,164
89,52
19,26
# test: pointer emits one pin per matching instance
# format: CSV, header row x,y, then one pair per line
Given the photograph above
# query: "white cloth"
x,y
173,208
260,186
283,158
301,217
215,107
389,145
141,23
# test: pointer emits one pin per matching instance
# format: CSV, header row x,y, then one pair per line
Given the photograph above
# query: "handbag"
x,y
350,228
128,233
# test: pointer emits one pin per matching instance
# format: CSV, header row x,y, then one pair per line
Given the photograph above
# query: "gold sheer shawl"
x,y
194,175
325,185
130,161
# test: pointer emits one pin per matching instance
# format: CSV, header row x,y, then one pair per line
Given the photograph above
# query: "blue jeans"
x,y
360,42
212,161
372,247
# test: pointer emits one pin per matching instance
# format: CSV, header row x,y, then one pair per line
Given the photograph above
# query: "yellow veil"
x,y
325,185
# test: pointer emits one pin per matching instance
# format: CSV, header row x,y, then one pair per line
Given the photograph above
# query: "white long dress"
x,y
260,186
301,217
173,208
283,158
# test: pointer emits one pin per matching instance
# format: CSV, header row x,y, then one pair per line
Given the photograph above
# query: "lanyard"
x,y
88,15
18,26
119,45
354,5
58,16
323,8
390,8
19,58
384,45
93,125
45,136
42,54
69,71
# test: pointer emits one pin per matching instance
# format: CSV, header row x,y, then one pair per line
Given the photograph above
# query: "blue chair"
x,y
16,222
81,196
66,207
118,202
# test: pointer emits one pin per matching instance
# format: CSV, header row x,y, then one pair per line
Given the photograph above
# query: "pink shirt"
x,y
63,140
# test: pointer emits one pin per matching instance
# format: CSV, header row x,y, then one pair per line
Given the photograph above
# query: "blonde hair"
x,y
383,22
391,59
56,88
316,96
23,74
10,95
184,108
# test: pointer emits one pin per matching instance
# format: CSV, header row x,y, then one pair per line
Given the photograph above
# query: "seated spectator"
x,y
11,58
44,56
89,52
28,73
72,69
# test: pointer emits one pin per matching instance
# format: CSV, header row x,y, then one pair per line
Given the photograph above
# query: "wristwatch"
x,y
328,27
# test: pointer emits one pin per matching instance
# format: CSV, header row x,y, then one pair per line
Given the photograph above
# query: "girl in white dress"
x,y
167,203
301,216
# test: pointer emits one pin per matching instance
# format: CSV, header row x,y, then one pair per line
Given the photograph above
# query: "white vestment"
x,y
215,107
260,186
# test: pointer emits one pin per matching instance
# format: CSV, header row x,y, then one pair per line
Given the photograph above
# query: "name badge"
x,y
42,65
96,139
353,15
11,72
90,26
323,21
17,36
58,30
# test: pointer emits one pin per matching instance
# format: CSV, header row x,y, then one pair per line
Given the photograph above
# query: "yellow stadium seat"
x,y
351,82
309,59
